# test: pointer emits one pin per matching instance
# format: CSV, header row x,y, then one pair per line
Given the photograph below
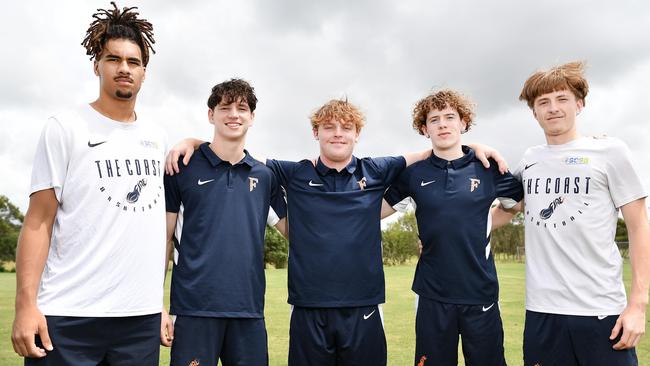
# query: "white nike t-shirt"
x,y
572,193
107,250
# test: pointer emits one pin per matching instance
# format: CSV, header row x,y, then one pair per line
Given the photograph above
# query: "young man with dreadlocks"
x,y
91,253
577,312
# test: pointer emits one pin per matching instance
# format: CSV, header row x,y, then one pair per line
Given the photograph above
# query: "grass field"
x,y
399,316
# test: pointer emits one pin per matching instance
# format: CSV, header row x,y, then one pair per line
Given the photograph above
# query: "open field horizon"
x,y
399,315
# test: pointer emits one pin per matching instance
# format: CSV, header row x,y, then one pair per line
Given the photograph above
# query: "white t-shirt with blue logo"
x,y
572,193
107,250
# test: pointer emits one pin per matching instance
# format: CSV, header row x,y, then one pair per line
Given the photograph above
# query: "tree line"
x,y
11,220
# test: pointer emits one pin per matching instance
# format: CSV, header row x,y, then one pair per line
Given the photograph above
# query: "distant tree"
x,y
11,220
505,240
621,231
400,240
276,248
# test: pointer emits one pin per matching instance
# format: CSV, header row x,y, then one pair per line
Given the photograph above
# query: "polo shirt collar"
x,y
322,169
457,163
216,160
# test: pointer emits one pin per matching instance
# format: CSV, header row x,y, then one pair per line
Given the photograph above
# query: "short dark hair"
x,y
118,24
231,91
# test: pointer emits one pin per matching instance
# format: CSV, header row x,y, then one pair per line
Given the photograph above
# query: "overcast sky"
x,y
381,55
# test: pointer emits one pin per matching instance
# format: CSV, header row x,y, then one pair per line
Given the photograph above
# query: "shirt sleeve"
x,y
403,205
389,167
278,202
282,169
508,189
519,169
624,183
51,159
272,218
172,193
399,190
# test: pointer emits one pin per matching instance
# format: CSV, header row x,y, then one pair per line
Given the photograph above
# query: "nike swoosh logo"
x,y
202,182
90,144
423,183
601,317
528,166
365,317
312,184
488,308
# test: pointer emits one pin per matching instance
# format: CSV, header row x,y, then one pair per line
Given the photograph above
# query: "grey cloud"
x,y
383,55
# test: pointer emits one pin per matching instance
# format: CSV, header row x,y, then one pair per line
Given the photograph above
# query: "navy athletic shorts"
x,y
235,341
115,341
337,336
569,340
438,325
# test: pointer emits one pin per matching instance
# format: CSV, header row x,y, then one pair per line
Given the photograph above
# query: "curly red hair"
x,y
338,110
439,101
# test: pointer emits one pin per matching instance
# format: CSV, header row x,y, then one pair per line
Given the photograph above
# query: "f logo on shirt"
x,y
362,183
473,184
252,183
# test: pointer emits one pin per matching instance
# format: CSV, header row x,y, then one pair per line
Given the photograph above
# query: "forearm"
x,y
502,216
639,239
282,227
414,157
193,142
31,254
386,209
169,252
636,221
170,224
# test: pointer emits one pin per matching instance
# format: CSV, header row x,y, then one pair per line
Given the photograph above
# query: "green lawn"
x,y
399,316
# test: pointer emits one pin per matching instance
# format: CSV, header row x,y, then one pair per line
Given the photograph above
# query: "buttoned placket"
x,y
449,181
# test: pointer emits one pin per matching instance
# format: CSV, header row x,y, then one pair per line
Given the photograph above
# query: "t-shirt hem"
x,y
99,314
41,187
576,312
632,198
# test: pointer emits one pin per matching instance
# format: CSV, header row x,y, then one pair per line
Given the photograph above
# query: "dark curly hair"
x,y
116,24
231,91
439,101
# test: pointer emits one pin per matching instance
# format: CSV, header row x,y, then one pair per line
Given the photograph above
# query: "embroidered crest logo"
x,y
473,184
252,183
362,183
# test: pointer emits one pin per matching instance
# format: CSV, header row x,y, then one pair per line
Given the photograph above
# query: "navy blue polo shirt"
x,y
453,200
334,230
220,267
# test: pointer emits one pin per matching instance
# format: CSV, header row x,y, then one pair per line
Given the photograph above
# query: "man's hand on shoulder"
x,y
484,152
184,148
